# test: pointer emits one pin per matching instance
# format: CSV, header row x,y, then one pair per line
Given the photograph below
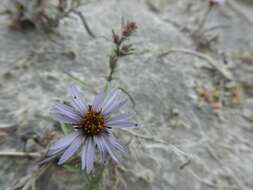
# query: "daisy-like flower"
x,y
93,125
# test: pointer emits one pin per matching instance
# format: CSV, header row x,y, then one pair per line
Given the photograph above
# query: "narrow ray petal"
x,y
119,122
56,151
50,158
114,96
63,142
98,101
64,119
110,149
65,113
121,117
122,125
115,106
101,148
83,155
77,100
117,144
108,96
90,155
71,150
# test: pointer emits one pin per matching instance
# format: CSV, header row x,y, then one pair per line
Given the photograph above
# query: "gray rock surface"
x,y
199,149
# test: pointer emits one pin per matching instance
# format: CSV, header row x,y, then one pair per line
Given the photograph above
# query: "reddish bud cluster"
x,y
116,38
121,48
119,39
129,28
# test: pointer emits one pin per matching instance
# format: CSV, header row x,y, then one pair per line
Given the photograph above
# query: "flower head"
x,y
93,124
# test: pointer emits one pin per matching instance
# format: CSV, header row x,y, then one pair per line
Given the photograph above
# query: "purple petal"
x,y
121,117
50,158
112,97
77,100
115,106
63,119
118,122
121,124
64,113
109,95
109,147
71,150
56,151
88,155
98,101
83,155
101,148
117,144
62,143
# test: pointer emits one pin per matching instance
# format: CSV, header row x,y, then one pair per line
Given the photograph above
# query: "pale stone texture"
x,y
32,77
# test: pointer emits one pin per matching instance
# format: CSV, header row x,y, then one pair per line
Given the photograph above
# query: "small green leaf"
x,y
66,128
93,181
71,168
250,119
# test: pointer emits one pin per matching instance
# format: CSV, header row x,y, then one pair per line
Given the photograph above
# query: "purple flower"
x,y
93,125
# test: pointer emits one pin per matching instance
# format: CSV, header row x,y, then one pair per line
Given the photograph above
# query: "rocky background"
x,y
192,91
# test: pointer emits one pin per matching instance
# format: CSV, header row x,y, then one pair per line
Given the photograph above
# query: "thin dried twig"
x,y
202,22
228,170
234,6
208,182
215,157
119,180
80,81
212,28
220,68
129,95
35,176
178,151
6,12
21,154
84,22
